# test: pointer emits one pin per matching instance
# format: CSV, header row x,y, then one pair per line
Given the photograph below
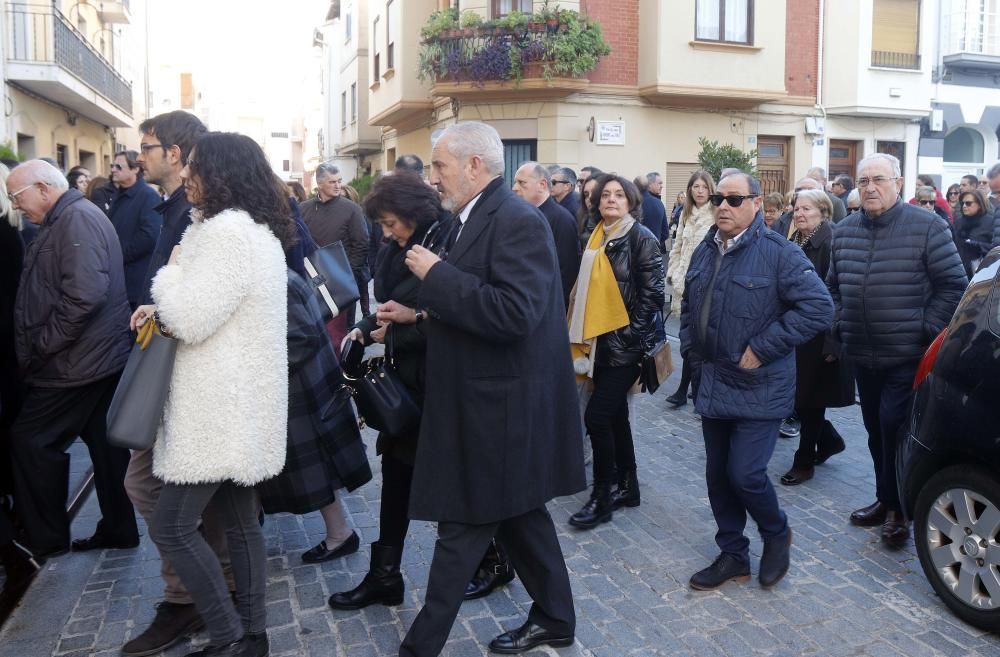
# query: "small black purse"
x,y
382,399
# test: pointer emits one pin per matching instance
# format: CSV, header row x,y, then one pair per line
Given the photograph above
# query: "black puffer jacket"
x,y
895,282
638,265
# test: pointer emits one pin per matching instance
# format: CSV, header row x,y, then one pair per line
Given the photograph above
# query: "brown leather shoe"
x,y
895,530
872,515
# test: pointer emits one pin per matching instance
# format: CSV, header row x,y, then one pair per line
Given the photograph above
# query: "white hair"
x,y
471,138
854,197
43,172
891,160
6,209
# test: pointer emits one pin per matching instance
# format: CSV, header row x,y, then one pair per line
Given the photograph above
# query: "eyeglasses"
x,y
968,204
927,202
116,167
13,197
734,200
877,180
954,193
145,148
561,182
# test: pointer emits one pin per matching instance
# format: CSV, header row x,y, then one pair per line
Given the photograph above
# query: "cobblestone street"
x,y
844,595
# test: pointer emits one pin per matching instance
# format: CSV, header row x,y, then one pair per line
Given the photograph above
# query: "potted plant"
x,y
471,21
575,52
438,23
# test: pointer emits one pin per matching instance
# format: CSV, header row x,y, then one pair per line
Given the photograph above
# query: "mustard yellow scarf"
x,y
602,309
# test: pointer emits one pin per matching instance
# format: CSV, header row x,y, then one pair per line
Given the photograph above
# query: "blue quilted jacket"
x,y
768,296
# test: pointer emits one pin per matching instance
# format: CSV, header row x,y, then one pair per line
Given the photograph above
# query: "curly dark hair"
x,y
233,172
632,194
405,195
72,177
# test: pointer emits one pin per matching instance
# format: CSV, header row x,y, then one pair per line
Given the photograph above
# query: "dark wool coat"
x,y
325,451
134,216
895,280
563,226
395,282
176,213
766,296
819,384
71,314
973,237
501,432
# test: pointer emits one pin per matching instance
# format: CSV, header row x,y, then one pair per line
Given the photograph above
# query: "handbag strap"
x,y
389,346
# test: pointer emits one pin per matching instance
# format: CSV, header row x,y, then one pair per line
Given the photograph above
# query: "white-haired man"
x,y
896,278
501,434
72,341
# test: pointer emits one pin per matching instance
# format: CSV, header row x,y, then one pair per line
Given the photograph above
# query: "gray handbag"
x,y
134,415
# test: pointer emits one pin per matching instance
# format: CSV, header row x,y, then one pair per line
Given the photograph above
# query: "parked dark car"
x,y
948,463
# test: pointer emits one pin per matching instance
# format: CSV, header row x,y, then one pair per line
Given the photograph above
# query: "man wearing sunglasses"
x,y
133,214
564,189
750,298
896,278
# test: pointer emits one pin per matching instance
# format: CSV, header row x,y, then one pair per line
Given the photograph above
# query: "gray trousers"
x,y
175,531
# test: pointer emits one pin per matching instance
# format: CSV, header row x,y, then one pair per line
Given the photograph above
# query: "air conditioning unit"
x,y
937,120
815,126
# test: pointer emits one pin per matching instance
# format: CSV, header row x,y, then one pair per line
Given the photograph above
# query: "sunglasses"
x,y
116,167
968,204
930,202
734,200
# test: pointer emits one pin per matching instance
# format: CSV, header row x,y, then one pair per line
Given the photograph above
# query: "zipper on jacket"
x,y
864,294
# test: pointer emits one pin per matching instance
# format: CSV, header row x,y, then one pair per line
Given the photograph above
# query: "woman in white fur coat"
x,y
697,217
223,296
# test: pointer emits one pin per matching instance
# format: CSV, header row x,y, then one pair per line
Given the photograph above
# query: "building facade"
x,y
73,74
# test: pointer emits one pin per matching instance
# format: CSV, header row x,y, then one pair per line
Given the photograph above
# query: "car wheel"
x,y
957,534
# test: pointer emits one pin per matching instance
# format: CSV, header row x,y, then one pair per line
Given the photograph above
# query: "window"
x,y
376,69
503,7
728,21
894,148
895,34
343,110
348,28
389,63
354,102
964,145
286,165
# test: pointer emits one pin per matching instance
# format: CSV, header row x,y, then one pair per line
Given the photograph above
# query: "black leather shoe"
x,y
834,444
494,571
677,400
100,542
725,568
322,553
796,476
526,637
627,493
596,510
257,645
172,623
20,568
872,515
895,530
382,585
234,649
774,561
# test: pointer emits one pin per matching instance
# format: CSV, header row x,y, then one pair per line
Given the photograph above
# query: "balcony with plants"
x,y
547,54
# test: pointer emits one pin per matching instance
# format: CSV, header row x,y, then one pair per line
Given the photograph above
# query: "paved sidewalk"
x,y
844,595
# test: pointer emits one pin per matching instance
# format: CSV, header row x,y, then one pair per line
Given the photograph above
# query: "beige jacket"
x,y
691,231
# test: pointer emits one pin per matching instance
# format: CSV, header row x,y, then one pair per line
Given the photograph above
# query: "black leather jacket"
x,y
638,265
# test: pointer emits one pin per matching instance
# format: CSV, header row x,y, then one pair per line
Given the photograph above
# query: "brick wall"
x,y
620,24
801,46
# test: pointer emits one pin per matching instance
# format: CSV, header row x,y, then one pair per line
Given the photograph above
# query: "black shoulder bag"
x,y
382,399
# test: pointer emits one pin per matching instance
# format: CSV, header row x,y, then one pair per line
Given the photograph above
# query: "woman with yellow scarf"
x,y
612,316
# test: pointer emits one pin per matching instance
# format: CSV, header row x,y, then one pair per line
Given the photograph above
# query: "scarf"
x,y
801,240
596,306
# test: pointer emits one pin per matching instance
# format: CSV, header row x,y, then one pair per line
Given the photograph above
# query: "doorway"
x,y
843,158
772,164
515,153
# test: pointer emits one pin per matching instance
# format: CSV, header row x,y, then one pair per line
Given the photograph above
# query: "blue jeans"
x,y
885,401
736,470
175,531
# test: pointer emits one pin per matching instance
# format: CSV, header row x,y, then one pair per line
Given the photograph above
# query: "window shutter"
x,y
675,181
895,26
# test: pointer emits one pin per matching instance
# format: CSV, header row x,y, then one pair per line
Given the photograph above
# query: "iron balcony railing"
x,y
903,60
40,34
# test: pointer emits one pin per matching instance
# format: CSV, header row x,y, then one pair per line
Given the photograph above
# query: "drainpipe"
x,y
819,69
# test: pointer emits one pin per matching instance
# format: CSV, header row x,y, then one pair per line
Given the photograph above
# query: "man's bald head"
x,y
532,182
807,183
36,186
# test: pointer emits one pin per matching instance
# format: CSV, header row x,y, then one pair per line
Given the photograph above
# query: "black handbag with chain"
x,y
382,399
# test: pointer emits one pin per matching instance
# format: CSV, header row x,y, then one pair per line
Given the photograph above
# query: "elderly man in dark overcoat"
x,y
501,433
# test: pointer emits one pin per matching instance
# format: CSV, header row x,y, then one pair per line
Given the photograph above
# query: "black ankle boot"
x,y
596,510
494,571
382,585
20,567
628,491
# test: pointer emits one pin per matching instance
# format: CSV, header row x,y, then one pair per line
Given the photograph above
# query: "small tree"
x,y
713,158
362,185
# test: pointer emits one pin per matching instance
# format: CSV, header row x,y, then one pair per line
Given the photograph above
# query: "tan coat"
x,y
691,231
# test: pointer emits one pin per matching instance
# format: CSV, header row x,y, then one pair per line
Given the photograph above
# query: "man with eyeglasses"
x,y
896,278
72,341
752,296
564,189
133,214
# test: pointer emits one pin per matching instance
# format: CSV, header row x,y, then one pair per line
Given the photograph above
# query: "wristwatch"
x,y
419,316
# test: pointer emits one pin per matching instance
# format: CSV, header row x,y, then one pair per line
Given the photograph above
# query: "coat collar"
x,y
752,234
68,198
493,195
886,217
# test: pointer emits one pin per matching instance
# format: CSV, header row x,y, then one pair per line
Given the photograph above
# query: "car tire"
x,y
956,527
